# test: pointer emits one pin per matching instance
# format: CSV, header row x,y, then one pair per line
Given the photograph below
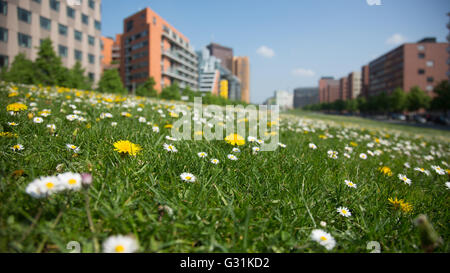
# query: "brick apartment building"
x,y
75,31
150,46
421,64
343,88
329,89
111,50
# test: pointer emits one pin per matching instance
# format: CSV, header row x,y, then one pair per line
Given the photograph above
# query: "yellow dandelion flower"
x,y
13,94
16,107
168,126
235,139
127,147
354,144
385,170
406,207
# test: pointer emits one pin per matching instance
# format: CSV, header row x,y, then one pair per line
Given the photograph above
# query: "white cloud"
x,y
396,39
265,51
302,72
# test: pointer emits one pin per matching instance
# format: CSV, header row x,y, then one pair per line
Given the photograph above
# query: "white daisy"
x,y
350,184
72,117
422,170
232,157
170,148
13,124
312,146
447,184
215,161
70,181
113,123
251,139
142,119
323,238
236,150
72,147
120,244
202,154
44,186
344,211
362,156
438,170
17,147
404,179
155,129
38,120
281,145
188,177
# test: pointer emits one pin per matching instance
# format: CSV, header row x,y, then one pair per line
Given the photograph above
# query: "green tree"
x,y
147,89
110,82
48,66
381,103
398,100
441,102
21,71
77,79
171,92
351,105
417,99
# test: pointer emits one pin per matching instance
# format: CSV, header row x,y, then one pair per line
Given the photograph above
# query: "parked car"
x,y
398,116
419,119
443,120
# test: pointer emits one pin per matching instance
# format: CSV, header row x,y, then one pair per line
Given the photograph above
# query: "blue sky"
x,y
292,43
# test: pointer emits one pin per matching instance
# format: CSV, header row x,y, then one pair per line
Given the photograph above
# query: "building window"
x,y
54,5
98,25
101,45
45,23
430,79
24,15
154,20
421,55
78,35
92,4
71,12
4,60
4,7
24,40
421,47
62,30
430,63
429,88
91,58
91,40
85,19
78,55
3,35
421,71
91,76
62,50
129,25
37,1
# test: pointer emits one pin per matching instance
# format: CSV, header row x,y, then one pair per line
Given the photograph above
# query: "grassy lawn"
x,y
262,202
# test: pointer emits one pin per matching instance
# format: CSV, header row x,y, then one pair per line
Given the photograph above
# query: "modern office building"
x,y
241,69
151,47
422,64
304,96
225,54
111,52
75,31
209,75
354,85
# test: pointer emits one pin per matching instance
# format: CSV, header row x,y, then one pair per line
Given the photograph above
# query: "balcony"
x,y
174,56
176,41
171,72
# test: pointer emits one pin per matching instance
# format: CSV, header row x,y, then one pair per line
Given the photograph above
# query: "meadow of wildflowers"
x,y
105,171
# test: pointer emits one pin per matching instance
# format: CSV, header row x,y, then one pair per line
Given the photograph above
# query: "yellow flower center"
x,y
350,184
344,211
188,178
120,248
50,185
72,181
73,146
323,238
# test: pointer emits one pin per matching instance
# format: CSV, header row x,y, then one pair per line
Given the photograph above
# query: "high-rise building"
x,y
328,89
421,64
354,85
151,47
241,69
209,75
75,31
304,96
365,80
111,52
343,89
225,54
